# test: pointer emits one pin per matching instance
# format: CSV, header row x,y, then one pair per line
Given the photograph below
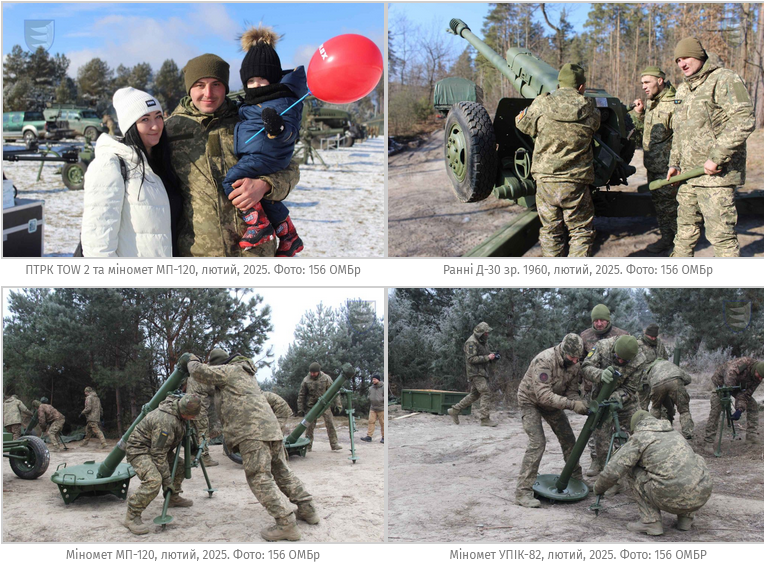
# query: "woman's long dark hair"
x,y
159,160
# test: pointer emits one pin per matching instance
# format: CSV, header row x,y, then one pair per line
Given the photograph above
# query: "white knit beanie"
x,y
131,104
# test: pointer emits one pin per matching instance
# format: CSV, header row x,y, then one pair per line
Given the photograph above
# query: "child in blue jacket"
x,y
269,91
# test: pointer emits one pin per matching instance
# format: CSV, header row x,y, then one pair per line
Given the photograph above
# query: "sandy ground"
x,y
453,483
338,210
349,498
426,219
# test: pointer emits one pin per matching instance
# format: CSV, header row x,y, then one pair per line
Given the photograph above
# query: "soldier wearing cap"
x,y
654,132
50,420
313,386
602,327
745,372
549,387
713,119
599,367
663,472
562,125
148,452
478,357
376,407
93,412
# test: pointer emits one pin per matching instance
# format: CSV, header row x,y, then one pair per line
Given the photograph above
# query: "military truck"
x,y
31,125
84,121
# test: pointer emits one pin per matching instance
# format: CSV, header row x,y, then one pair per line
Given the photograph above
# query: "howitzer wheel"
x,y
545,486
235,457
35,463
470,151
74,175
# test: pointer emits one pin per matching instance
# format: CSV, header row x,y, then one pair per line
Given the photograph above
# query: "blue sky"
x,y
147,32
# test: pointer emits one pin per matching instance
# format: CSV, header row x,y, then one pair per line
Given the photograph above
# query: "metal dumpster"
x,y
431,401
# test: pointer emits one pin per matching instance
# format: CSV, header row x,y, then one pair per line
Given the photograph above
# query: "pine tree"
x,y
169,87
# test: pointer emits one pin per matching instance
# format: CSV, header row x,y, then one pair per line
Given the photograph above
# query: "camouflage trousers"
x,y
751,416
92,429
202,424
666,205
558,421
479,390
562,206
15,429
270,478
603,434
375,416
674,392
714,206
54,429
650,500
151,481
331,431
667,411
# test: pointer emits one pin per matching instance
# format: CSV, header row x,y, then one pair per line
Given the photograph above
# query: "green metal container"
x,y
432,401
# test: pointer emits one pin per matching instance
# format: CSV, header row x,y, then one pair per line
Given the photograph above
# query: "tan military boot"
x,y
134,523
752,439
285,529
454,415
527,500
486,422
336,447
177,501
208,461
683,523
85,444
104,446
594,469
652,528
307,513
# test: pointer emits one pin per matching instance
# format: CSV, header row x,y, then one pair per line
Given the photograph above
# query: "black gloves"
x,y
272,122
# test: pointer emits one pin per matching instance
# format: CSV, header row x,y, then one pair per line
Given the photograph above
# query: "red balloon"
x,y
345,69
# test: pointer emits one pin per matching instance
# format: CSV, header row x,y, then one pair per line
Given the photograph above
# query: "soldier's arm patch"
x,y
544,377
678,101
522,114
471,349
741,94
591,353
162,441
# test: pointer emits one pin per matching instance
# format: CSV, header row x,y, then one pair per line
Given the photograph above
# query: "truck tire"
x,y
470,151
92,133
36,464
73,175
235,457
29,138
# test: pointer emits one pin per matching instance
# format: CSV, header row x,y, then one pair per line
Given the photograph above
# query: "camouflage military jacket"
x,y
377,396
680,478
47,414
602,356
244,411
661,371
156,435
279,406
476,354
591,337
652,352
548,384
713,119
93,408
196,387
312,389
202,152
12,410
655,128
738,372
562,124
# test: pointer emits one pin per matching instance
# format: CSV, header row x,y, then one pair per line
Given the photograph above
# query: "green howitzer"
x,y
112,476
562,487
659,183
725,397
294,443
348,395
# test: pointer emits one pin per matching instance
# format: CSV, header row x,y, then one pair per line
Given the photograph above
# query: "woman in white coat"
x,y
132,206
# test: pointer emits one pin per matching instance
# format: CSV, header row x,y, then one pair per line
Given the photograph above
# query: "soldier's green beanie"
x,y
207,65
653,71
759,367
690,47
637,417
652,330
600,312
314,367
571,75
573,345
626,347
44,400
217,356
190,405
36,404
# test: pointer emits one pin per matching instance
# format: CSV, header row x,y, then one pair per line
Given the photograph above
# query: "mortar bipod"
x,y
725,398
613,406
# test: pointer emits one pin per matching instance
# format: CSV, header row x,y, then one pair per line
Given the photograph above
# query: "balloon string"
x,y
282,114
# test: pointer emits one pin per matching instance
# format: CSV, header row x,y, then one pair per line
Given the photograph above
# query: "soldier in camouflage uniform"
x,y
745,372
622,354
150,452
50,420
664,473
562,125
666,383
207,394
654,129
478,358
200,132
713,119
280,408
92,413
313,386
653,348
549,387
13,408
250,428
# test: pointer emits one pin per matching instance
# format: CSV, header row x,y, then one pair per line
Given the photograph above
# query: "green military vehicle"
x,y
84,121
31,125
28,456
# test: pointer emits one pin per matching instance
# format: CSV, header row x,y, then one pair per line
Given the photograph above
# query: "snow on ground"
x,y
338,210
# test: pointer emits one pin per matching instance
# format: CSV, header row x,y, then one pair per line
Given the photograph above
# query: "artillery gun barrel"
x,y
528,74
323,402
171,384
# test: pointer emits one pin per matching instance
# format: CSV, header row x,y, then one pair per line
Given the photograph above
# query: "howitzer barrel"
x,y
528,74
605,392
171,384
323,402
